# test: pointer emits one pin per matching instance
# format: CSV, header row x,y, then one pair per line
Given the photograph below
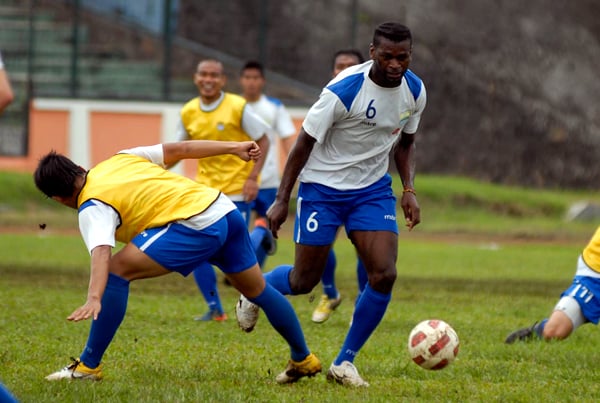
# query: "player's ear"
x,y
371,50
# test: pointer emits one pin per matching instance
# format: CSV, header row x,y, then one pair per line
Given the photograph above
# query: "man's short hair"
x,y
55,175
393,31
253,65
350,52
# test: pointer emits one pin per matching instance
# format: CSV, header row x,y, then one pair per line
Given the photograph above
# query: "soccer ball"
x,y
433,344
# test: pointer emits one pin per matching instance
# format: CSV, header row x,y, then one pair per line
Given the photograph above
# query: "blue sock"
x,y
103,329
282,317
369,311
206,280
361,275
256,237
279,278
539,328
6,396
328,277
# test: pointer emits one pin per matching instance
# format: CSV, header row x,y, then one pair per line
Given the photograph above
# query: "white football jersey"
x,y
273,112
356,123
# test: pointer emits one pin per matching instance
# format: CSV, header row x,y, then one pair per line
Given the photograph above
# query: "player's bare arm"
x,y
191,149
404,157
98,279
297,158
250,189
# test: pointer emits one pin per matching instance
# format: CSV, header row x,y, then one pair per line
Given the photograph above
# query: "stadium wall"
x,y
90,131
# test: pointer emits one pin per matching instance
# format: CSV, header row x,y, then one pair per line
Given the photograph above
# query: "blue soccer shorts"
x,y
321,210
585,290
225,244
263,201
245,209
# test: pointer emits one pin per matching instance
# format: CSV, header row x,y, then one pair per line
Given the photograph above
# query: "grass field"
x,y
486,259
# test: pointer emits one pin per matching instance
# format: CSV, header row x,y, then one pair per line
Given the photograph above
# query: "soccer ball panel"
x,y
433,344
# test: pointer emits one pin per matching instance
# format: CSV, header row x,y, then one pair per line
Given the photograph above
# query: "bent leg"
x,y
378,250
276,307
566,317
206,280
103,329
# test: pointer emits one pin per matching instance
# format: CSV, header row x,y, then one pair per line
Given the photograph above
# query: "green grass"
x,y
464,264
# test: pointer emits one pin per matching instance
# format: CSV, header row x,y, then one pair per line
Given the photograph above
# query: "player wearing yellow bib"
x,y
169,223
579,304
221,116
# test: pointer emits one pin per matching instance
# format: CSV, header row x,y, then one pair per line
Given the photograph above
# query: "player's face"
x,y
342,62
390,61
252,83
209,80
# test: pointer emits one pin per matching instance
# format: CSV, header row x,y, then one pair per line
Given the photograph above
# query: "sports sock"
x,y
361,275
328,277
206,280
282,317
103,329
539,328
257,236
279,278
369,311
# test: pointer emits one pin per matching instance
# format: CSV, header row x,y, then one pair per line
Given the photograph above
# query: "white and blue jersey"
x,y
356,123
273,112
345,181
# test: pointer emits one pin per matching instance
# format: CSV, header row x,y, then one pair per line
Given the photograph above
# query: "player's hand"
x,y
412,211
276,216
91,309
249,150
250,190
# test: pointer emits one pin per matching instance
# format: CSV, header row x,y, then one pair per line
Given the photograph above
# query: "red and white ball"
x,y
433,344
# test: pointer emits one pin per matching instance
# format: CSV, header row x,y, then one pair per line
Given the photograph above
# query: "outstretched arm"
x,y
193,149
98,279
404,157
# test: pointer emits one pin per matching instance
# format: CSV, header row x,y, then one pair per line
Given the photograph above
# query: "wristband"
x,y
409,190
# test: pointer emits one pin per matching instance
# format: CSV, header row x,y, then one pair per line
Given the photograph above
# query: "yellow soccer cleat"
x,y
310,366
325,308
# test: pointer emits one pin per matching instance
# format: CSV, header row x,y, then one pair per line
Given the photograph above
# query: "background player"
x,y
273,112
341,158
218,115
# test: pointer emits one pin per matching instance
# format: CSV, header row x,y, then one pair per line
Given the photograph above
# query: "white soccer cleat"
x,y
77,370
246,313
346,374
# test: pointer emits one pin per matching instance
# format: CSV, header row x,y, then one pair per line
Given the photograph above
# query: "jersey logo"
x,y
220,126
404,117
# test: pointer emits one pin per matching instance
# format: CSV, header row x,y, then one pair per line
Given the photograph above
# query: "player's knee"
x,y
383,281
556,332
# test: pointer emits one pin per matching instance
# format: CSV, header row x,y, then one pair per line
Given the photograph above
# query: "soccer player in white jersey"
x,y
168,224
6,92
341,158
273,112
579,304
